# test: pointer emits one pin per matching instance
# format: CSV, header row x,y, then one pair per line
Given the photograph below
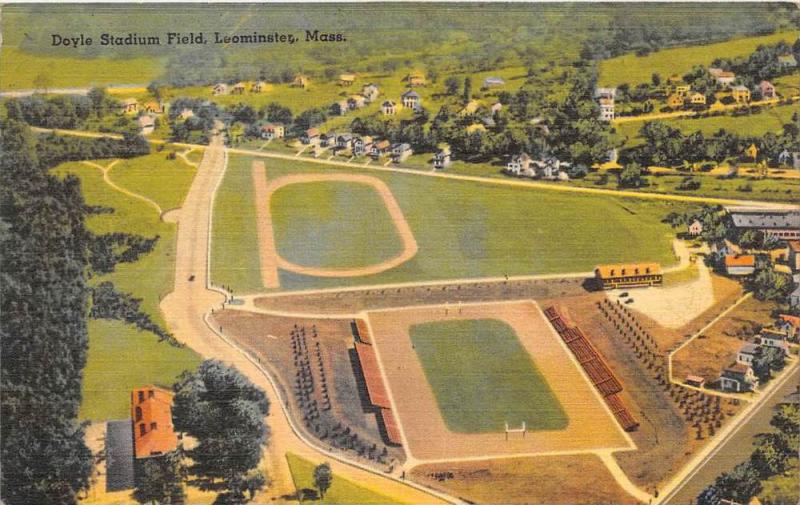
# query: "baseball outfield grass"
x,y
154,176
482,377
464,229
333,224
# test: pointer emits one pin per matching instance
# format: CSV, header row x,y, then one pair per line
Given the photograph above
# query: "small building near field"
x,y
154,107
273,131
310,136
675,101
328,139
238,88
772,337
696,228
738,378
185,114
767,90
380,148
744,264
129,106
441,159
610,93
606,109
741,94
400,152
782,224
520,164
411,100
793,254
747,353
347,79
300,81
789,159
388,108
146,124
361,145
219,89
370,92
151,414
258,87
356,102
344,141
695,381
628,275
493,82
790,325
697,99
414,79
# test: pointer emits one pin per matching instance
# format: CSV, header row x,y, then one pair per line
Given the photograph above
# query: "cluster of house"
x,y
782,225
548,167
605,98
146,113
356,145
369,93
238,88
739,377
148,433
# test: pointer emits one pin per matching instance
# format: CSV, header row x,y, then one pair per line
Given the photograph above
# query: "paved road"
x,y
186,308
734,450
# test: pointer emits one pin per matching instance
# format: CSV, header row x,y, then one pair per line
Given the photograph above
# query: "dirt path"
x,y
107,179
186,309
267,253
267,250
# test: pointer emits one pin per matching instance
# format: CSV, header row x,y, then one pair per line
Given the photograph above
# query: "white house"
x,y
773,338
738,378
219,89
400,152
273,131
696,228
146,124
388,108
606,109
370,92
610,93
747,353
442,158
520,164
411,100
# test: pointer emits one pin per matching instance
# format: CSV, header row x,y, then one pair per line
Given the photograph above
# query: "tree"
x,y
769,359
467,89
159,480
741,484
99,99
656,79
709,496
225,412
631,176
451,85
772,455
43,239
768,284
323,478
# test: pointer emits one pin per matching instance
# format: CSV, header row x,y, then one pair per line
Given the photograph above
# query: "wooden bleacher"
x,y
376,389
595,367
363,331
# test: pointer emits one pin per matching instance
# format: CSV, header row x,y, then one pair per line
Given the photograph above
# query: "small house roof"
x,y
383,144
751,349
130,101
694,378
745,260
410,94
628,269
312,132
793,320
347,77
388,103
738,368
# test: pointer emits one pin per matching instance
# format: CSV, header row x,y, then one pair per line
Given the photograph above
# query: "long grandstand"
x,y
376,389
595,366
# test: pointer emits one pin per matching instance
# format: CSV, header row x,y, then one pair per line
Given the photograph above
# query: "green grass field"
x,y
767,120
19,70
325,224
482,377
162,180
341,492
120,357
633,69
463,229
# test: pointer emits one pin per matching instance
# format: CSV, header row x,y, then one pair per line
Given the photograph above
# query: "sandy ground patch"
x,y
266,238
672,306
591,426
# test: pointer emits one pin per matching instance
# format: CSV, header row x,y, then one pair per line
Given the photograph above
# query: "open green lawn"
x,y
19,70
162,180
463,229
633,69
770,119
341,492
333,224
482,377
120,357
